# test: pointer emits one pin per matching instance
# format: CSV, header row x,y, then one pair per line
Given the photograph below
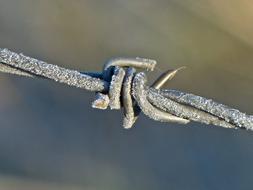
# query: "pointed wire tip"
x,y
166,76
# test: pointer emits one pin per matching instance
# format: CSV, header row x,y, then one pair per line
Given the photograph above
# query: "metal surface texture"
x,y
119,85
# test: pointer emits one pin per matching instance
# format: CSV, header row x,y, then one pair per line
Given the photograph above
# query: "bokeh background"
x,y
50,137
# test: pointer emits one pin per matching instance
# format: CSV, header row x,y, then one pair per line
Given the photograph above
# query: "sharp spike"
x,y
165,77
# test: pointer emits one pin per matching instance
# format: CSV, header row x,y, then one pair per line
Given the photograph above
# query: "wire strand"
x,y
161,105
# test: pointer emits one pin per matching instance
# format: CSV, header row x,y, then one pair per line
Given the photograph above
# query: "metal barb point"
x,y
127,88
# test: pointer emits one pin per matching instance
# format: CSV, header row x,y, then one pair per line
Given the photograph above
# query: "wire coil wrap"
x,y
119,85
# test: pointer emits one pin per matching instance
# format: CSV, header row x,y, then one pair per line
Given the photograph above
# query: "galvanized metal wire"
x,y
119,85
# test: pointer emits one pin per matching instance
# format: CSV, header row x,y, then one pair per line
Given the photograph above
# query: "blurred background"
x,y
50,137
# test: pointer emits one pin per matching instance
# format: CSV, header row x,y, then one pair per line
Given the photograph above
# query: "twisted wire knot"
x,y
128,90
121,86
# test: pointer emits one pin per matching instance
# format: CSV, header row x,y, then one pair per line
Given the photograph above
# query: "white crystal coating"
x,y
127,89
115,88
140,95
101,101
224,112
128,107
40,68
184,111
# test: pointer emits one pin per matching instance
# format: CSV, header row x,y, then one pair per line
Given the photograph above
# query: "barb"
x,y
118,88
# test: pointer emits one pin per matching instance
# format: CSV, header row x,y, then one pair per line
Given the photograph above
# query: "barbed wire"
x,y
119,85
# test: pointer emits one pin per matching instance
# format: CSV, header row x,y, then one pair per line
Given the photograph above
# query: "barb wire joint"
x,y
119,85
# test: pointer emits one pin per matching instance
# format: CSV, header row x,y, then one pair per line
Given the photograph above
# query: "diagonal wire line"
x,y
26,66
180,104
